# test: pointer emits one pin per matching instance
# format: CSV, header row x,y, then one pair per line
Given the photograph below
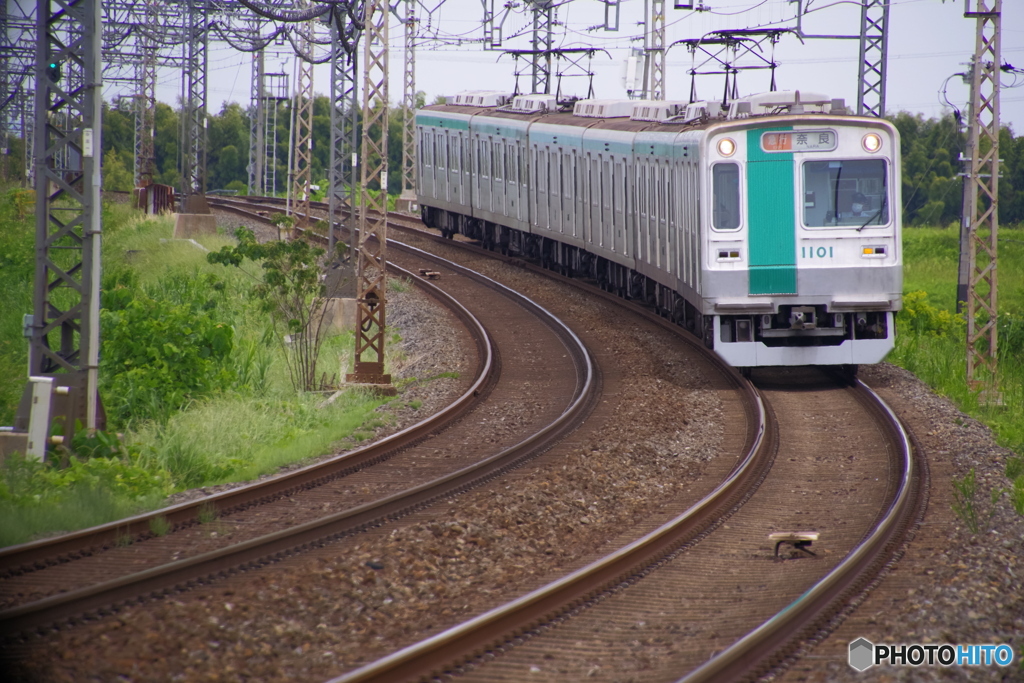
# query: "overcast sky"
x,y
929,40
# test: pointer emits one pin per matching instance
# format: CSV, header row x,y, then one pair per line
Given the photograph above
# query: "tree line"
x,y
932,186
227,146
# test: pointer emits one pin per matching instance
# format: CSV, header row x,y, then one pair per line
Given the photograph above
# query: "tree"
x,y
116,175
292,293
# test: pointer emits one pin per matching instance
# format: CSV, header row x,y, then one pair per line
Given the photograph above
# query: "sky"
x,y
929,41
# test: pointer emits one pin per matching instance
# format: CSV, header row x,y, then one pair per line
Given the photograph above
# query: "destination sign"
x,y
799,141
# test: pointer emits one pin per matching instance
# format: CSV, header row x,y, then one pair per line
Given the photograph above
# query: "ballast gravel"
x,y
316,617
952,586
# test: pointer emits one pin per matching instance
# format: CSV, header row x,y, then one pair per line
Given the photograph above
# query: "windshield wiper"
x,y
878,213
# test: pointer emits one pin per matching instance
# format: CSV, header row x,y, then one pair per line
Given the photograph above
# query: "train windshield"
x,y
845,193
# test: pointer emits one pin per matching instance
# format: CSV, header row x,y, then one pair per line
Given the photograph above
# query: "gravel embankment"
x,y
951,586
314,617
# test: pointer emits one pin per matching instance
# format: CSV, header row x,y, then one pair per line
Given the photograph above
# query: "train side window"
x,y
455,149
725,196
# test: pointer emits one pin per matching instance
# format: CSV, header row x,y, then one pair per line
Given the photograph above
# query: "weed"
x,y
415,405
123,540
1017,495
159,526
1014,467
965,490
207,513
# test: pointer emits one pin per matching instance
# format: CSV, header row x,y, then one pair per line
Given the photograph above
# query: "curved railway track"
x,y
809,603
65,578
600,592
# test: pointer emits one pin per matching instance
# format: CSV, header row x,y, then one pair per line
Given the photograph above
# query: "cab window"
x,y
845,193
725,196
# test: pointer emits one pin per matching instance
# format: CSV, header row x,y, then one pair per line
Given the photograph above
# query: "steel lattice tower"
x,y
371,272
982,196
344,131
874,52
65,310
145,98
194,165
656,50
543,42
303,127
256,132
409,102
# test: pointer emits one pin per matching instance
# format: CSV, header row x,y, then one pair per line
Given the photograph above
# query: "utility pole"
x,y
874,57
194,142
256,116
371,273
145,98
303,125
543,42
408,197
656,50
873,40
982,205
344,129
63,329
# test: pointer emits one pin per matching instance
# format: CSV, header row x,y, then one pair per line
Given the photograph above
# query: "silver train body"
x,y
770,229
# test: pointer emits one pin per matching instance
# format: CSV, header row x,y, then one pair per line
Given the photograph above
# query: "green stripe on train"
x,y
771,232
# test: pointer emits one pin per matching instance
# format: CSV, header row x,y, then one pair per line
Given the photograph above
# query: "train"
x,y
768,225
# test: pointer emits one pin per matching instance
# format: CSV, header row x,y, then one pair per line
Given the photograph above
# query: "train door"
x,y
605,233
498,176
629,206
441,165
541,179
665,224
674,195
485,174
568,198
555,190
455,167
512,179
619,206
770,219
425,174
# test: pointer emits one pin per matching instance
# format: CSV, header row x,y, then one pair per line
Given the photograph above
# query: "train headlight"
x,y
726,147
872,142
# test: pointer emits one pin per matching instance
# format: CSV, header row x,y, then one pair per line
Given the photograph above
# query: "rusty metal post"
x,y
371,273
983,197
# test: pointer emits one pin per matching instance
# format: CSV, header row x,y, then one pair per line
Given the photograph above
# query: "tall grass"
x,y
250,428
932,345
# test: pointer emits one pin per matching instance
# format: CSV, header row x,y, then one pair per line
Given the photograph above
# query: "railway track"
x,y
806,600
520,629
90,572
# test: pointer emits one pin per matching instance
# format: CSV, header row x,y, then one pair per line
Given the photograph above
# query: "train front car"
x,y
803,262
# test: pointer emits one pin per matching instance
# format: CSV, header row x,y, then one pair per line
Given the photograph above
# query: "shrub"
x,y
158,356
291,292
921,317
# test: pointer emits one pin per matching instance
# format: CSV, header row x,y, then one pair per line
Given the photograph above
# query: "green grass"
x,y
252,427
933,346
80,508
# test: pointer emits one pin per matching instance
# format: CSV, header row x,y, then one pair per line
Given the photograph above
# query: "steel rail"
x,y
548,603
735,663
828,595
181,574
34,555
